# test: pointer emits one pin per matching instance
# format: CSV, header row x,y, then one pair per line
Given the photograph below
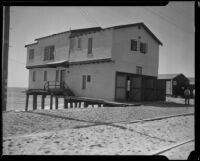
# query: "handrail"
x,y
55,84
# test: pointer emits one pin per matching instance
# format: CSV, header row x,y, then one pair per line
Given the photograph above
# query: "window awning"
x,y
51,65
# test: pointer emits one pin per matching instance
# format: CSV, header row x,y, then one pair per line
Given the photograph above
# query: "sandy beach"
x,y
98,131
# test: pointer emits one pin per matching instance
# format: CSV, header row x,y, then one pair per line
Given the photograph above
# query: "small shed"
x,y
175,84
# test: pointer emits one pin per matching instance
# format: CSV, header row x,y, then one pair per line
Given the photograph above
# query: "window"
x,y
133,45
31,54
57,75
143,47
49,53
90,46
33,76
84,82
45,75
88,78
79,42
72,43
138,70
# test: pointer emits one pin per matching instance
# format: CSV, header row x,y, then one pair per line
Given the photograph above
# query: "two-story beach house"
x,y
116,63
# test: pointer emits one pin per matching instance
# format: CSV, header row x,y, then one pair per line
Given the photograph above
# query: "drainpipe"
x,y
6,27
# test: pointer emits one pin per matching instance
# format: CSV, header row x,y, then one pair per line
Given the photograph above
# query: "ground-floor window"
x,y
34,75
84,82
57,75
45,75
88,78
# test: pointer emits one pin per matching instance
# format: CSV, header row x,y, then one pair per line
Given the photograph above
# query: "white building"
x,y
115,63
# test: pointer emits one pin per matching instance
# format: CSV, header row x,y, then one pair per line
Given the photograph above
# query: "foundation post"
x,y
27,99
51,102
43,101
34,102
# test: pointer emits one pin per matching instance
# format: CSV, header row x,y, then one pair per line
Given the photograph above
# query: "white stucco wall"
x,y
102,80
127,60
39,79
101,46
61,43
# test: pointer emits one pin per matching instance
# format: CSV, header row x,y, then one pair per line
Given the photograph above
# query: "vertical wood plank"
x,y
43,102
34,102
51,102
56,102
27,99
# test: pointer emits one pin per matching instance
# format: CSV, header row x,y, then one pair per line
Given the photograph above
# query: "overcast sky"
x,y
173,25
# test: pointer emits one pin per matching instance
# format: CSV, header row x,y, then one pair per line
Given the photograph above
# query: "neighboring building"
x,y
175,83
115,63
191,84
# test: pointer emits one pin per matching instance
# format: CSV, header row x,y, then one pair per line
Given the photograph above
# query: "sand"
x,y
97,131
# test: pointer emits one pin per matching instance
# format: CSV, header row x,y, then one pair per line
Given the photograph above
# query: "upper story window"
x,y
89,45
143,47
138,70
133,45
72,43
49,53
31,54
79,43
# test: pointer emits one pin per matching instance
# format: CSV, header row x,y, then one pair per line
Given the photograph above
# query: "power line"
x,y
165,19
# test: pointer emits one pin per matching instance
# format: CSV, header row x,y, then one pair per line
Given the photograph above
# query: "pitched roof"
x,y
31,44
168,76
138,24
76,32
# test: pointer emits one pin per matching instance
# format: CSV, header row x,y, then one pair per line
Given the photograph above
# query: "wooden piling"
x,y
70,104
65,103
27,99
43,101
56,102
34,102
51,102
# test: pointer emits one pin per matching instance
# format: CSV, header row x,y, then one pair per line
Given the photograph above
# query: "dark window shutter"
x,y
90,46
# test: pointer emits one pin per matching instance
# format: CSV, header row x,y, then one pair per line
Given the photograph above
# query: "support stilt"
x,y
51,102
34,102
43,101
56,102
27,99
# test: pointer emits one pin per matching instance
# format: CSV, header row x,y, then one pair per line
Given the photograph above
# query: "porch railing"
x,y
55,85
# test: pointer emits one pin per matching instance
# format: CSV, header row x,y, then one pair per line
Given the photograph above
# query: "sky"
x,y
173,25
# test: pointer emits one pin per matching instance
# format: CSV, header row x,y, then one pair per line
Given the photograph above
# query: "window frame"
x,y
79,43
143,47
90,44
31,54
49,52
132,47
34,76
139,70
84,80
57,75
88,78
45,75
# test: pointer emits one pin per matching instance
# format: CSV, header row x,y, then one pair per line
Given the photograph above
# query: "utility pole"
x,y
6,27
